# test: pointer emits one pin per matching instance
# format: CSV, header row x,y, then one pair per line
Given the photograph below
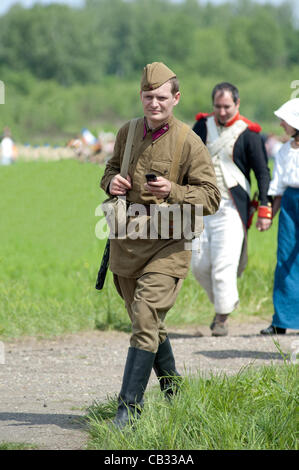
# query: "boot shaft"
x,y
137,372
165,369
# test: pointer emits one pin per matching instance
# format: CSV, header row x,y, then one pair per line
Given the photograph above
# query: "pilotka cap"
x,y
154,75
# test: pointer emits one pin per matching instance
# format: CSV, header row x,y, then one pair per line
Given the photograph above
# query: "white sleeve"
x,y
277,187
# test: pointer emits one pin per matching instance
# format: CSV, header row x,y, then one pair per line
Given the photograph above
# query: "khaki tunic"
x,y
196,184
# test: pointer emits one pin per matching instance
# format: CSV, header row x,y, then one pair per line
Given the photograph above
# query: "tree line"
x,y
55,54
117,37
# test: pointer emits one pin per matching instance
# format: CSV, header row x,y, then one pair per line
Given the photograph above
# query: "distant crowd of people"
x,y
85,147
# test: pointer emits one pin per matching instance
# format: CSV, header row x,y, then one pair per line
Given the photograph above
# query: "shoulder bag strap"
x,y
173,176
127,153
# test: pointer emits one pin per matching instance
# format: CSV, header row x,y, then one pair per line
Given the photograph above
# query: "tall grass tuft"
x,y
256,409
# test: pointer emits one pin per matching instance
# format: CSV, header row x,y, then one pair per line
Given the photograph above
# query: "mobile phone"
x,y
150,177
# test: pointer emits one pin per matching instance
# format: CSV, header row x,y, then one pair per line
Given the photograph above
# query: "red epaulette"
x,y
200,116
252,126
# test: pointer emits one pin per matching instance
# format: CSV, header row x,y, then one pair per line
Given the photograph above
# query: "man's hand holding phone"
x,y
157,185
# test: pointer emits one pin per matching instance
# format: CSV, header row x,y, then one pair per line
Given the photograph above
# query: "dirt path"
x,y
46,385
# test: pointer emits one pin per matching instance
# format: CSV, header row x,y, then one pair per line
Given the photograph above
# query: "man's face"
x,y
158,104
224,106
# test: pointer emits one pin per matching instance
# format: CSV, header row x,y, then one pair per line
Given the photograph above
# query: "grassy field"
x,y
49,257
256,409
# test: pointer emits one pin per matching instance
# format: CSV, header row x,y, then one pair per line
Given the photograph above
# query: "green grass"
x,y
49,254
17,446
256,409
49,257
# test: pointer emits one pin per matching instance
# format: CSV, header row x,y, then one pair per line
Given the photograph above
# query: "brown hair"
x,y
175,85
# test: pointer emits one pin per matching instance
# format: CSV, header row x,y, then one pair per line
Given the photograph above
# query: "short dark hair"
x,y
226,86
175,85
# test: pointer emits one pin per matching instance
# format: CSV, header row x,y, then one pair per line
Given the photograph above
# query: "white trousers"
x,y
215,266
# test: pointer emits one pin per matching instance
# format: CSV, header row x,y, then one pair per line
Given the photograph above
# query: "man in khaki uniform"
x,y
148,273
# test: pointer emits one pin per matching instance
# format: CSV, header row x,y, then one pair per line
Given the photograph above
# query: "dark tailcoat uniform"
x,y
249,153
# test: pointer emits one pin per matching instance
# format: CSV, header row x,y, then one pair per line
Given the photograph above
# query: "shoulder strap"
x,y
212,129
217,143
128,147
223,147
173,176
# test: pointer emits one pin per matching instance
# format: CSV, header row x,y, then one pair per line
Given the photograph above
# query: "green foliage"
x,y
116,37
52,42
210,51
266,39
52,113
237,35
17,446
67,68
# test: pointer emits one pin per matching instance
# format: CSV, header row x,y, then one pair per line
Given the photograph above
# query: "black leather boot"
x,y
273,330
137,372
164,367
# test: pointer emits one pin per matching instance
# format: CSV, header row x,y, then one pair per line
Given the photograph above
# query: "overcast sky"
x,y
6,4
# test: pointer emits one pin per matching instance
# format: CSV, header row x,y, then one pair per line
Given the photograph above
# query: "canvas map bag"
x,y
115,207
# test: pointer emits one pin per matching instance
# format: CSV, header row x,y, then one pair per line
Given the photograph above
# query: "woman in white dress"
x,y
285,189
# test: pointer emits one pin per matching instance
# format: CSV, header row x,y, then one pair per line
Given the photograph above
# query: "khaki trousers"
x,y
147,301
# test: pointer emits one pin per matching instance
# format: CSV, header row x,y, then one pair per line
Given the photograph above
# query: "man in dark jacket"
x,y
236,148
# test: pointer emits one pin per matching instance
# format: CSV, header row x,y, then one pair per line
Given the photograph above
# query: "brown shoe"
x,y
219,329
218,326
